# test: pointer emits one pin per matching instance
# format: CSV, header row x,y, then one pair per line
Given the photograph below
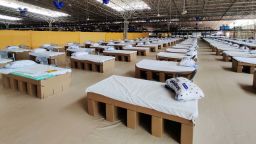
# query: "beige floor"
x,y
227,114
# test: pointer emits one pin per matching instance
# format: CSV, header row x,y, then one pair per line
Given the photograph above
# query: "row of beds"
x,y
143,96
241,54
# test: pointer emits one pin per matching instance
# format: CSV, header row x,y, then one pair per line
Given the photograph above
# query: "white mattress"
x,y
148,45
4,61
171,55
46,54
120,51
37,70
136,48
100,46
239,54
94,58
17,50
148,94
245,60
177,50
165,66
81,50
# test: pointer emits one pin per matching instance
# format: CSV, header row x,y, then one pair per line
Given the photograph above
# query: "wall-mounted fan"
x,y
58,4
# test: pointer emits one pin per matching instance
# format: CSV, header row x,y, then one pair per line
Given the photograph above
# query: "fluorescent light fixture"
x,y
31,8
120,5
9,18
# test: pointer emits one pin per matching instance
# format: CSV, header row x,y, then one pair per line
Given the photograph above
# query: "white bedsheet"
x,y
82,50
245,60
144,93
136,48
17,50
172,55
94,58
37,70
120,51
3,61
177,50
46,54
165,66
239,54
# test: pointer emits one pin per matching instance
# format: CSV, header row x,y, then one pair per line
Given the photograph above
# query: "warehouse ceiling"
x,y
183,12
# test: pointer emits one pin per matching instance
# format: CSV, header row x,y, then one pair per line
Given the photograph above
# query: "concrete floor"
x,y
227,114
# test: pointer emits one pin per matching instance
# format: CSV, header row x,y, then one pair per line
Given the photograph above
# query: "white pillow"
x,y
39,50
110,43
74,47
140,43
188,62
110,49
87,42
191,53
20,64
46,45
122,42
95,44
79,54
185,89
128,46
147,43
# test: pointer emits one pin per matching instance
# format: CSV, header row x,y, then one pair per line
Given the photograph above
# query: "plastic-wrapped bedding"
x,y
245,60
148,94
94,58
176,50
171,55
239,54
46,54
120,51
36,71
164,66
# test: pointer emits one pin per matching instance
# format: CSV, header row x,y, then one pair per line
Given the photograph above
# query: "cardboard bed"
x,y
228,55
70,51
167,56
243,64
37,80
95,63
122,55
153,47
137,97
54,58
172,50
141,51
4,61
18,54
162,70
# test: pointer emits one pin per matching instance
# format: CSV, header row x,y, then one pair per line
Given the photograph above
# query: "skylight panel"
x,y
4,17
120,5
32,8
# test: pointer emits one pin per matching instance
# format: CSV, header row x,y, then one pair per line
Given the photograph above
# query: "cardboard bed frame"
x,y
240,66
162,76
226,58
254,80
168,59
40,88
157,118
59,60
122,57
19,55
152,48
107,66
140,52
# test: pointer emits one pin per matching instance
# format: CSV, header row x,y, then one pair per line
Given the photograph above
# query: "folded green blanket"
x,y
41,77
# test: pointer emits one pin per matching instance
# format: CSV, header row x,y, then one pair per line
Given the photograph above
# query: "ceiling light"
x,y
119,5
9,18
31,8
